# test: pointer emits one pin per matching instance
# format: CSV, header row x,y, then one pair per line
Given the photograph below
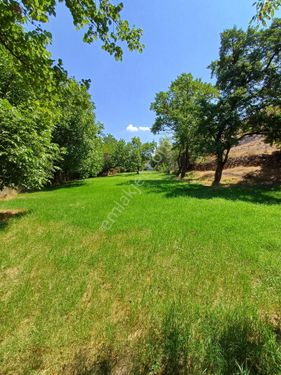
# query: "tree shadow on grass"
x,y
175,345
242,347
66,185
250,349
7,215
2,225
240,351
82,364
172,188
269,173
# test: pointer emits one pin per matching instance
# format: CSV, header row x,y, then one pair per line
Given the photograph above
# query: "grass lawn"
x,y
185,280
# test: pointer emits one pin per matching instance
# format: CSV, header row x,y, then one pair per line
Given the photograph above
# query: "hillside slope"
x,y
253,161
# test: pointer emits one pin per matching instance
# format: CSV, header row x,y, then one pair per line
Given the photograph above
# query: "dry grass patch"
x,y
230,176
7,194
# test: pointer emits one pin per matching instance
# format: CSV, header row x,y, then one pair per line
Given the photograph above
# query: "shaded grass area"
x,y
173,189
186,281
6,215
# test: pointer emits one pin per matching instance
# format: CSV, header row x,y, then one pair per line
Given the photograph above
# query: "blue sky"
x,y
179,36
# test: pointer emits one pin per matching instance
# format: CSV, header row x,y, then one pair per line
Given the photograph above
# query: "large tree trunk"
x,y
221,161
184,167
218,173
179,164
185,161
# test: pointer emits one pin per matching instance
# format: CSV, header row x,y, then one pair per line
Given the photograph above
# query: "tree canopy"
x,y
119,155
77,133
248,79
101,20
165,158
245,100
48,126
27,153
177,111
266,10
24,38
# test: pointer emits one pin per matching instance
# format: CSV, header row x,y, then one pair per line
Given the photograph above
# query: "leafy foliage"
x,y
27,154
114,154
165,157
246,99
43,134
266,10
248,79
101,21
78,134
177,110
130,157
139,154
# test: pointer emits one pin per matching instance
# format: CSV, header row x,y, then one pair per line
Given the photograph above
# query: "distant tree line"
x,y
123,156
245,100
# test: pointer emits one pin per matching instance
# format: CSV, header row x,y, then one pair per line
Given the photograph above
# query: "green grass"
x,y
186,281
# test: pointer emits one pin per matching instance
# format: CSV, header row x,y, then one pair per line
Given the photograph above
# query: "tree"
x,y
131,156
219,130
177,111
109,153
147,150
248,80
77,134
27,154
115,154
165,156
22,36
138,154
135,159
266,10
41,134
121,155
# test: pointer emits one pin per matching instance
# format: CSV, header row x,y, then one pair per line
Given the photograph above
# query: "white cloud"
x,y
144,128
132,128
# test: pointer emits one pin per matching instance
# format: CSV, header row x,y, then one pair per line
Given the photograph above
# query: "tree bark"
x,y
221,161
179,165
185,162
218,173
184,166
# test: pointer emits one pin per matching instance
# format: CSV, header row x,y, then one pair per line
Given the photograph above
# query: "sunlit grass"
x,y
186,280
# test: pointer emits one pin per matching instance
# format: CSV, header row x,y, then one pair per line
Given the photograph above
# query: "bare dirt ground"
x,y
252,146
252,162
